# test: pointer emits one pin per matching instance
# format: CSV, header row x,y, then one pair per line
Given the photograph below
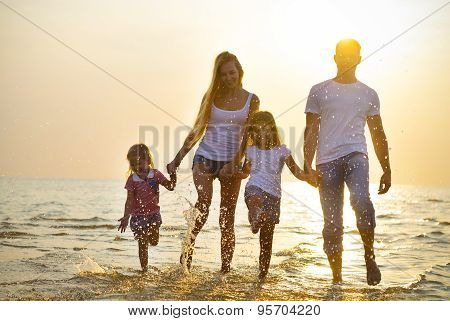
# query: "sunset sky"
x,y
60,116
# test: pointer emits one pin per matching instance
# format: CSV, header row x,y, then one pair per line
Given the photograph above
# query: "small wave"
x,y
67,219
6,225
15,235
292,252
433,277
114,249
23,282
173,228
60,234
430,219
437,233
422,236
48,203
79,248
29,224
119,238
390,215
435,200
86,227
444,223
18,246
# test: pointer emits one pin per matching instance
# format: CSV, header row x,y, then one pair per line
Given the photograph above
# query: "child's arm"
x,y
169,184
312,178
243,174
127,212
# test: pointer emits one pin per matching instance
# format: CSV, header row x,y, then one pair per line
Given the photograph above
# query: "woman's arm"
x,y
169,184
245,169
189,142
187,146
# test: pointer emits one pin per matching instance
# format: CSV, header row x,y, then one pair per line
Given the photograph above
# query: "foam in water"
x,y
89,266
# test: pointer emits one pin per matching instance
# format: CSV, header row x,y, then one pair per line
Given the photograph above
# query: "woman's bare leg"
x,y
203,182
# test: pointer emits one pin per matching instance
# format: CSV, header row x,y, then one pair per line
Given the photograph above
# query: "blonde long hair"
x,y
216,85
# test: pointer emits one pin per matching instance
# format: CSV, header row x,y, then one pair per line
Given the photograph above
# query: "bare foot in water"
x,y
225,269
373,272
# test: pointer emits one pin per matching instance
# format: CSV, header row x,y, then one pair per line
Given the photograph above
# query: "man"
x,y
336,113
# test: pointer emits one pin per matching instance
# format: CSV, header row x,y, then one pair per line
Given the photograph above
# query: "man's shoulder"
x,y
366,88
320,86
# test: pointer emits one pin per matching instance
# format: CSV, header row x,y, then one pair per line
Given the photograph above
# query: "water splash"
x,y
187,245
88,265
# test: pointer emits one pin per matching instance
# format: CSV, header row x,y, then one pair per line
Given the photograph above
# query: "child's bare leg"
x,y
265,243
150,238
254,204
143,252
153,235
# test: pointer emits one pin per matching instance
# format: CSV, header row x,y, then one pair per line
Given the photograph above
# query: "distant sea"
x,y
59,241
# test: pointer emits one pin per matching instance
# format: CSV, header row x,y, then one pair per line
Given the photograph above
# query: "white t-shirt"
x,y
266,167
343,110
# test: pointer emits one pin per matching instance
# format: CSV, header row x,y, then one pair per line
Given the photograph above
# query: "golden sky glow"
x,y
62,117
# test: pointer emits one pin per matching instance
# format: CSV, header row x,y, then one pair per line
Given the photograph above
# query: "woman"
x,y
221,120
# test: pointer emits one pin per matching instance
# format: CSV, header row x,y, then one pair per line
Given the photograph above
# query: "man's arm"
x,y
311,138
380,144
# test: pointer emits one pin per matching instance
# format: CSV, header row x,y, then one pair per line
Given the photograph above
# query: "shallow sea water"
x,y
59,241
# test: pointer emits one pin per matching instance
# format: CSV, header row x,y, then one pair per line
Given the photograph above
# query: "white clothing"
x,y
343,110
266,167
224,133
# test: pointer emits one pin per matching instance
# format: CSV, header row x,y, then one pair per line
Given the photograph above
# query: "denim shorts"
x,y
212,166
140,224
270,203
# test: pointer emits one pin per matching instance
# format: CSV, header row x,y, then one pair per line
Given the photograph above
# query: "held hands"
x,y
123,223
242,175
172,167
313,178
385,183
229,169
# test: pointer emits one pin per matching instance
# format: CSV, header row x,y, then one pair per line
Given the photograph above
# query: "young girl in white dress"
x,y
265,157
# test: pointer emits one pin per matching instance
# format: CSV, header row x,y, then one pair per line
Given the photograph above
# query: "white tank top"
x,y
224,133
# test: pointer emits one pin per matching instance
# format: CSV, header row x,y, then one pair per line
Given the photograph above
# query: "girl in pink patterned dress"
x,y
143,200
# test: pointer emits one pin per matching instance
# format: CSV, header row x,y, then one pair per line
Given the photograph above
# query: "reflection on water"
x,y
59,242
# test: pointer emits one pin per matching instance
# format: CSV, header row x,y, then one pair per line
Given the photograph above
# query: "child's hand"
x,y
242,175
123,223
313,178
229,169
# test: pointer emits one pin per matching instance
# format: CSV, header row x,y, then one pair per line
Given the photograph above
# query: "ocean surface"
x,y
59,241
